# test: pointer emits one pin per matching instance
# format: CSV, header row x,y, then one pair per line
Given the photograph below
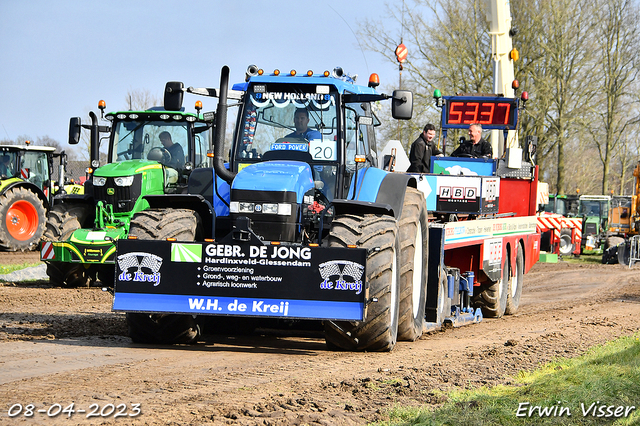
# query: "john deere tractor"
x,y
139,173
26,188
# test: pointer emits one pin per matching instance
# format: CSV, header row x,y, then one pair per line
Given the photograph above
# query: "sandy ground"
x,y
60,347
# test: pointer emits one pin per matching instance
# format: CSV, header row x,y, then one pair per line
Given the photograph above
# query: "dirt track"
x,y
63,346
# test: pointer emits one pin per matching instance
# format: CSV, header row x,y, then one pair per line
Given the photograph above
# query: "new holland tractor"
x,y
26,193
139,172
298,210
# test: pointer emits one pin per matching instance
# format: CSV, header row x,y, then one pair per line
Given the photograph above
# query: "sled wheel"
x,y
566,246
515,284
492,296
379,330
413,270
22,220
160,224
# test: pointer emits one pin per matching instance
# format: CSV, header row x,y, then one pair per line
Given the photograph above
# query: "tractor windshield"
x,y
151,140
290,122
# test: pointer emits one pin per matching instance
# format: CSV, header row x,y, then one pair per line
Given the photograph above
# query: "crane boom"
x,y
499,17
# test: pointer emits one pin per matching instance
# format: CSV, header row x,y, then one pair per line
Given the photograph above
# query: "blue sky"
x,y
59,58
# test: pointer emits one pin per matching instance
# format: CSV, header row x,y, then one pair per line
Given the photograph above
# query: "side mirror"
x,y
173,92
402,104
75,127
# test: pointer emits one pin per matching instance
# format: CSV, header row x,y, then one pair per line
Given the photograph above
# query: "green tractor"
x,y
26,193
594,210
142,172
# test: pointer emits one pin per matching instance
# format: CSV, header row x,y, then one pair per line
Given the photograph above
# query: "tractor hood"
x,y
279,175
127,168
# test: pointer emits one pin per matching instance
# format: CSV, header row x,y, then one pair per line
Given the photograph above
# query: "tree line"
x,y
579,60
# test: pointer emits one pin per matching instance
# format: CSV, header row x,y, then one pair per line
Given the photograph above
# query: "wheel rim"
x,y
22,220
565,244
417,277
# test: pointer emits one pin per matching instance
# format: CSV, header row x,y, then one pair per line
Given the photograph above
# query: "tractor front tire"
x,y
414,249
62,221
22,220
379,330
162,328
160,224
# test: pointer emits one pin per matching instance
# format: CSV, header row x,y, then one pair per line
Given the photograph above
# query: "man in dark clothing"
x,y
476,146
176,151
422,149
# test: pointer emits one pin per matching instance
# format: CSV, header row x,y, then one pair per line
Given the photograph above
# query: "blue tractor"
x,y
301,223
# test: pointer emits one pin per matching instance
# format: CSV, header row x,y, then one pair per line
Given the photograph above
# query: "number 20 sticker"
x,y
320,150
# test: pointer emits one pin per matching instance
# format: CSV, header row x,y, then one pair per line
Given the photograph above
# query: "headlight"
x,y
124,181
270,208
282,209
95,164
233,207
246,207
99,181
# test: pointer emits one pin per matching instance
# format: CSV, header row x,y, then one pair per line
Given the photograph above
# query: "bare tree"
x,y
616,41
141,99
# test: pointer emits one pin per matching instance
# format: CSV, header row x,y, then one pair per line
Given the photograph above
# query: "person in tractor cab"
x,y
176,151
301,122
422,149
475,146
5,167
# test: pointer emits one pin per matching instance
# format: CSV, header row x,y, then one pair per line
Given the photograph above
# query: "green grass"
x,y
584,258
607,375
7,269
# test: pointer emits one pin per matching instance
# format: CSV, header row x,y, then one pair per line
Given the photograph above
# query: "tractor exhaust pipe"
x,y
221,123
95,141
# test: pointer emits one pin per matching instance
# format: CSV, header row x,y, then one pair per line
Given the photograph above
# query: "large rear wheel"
x,y
379,330
414,230
22,220
160,224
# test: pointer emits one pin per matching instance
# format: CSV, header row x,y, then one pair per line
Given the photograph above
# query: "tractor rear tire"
x,y
515,284
414,249
22,220
379,330
63,220
160,224
492,297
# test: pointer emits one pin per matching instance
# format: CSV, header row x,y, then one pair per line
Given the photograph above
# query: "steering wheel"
x,y
466,155
159,154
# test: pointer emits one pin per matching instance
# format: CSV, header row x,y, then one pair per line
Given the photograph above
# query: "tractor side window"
x,y
357,134
7,164
36,168
202,143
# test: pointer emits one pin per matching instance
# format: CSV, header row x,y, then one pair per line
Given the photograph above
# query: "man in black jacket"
x,y
475,146
422,149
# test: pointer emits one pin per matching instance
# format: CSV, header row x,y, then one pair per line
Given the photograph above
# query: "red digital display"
x,y
486,112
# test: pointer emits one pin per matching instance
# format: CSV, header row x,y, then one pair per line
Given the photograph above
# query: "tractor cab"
x,y
300,122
